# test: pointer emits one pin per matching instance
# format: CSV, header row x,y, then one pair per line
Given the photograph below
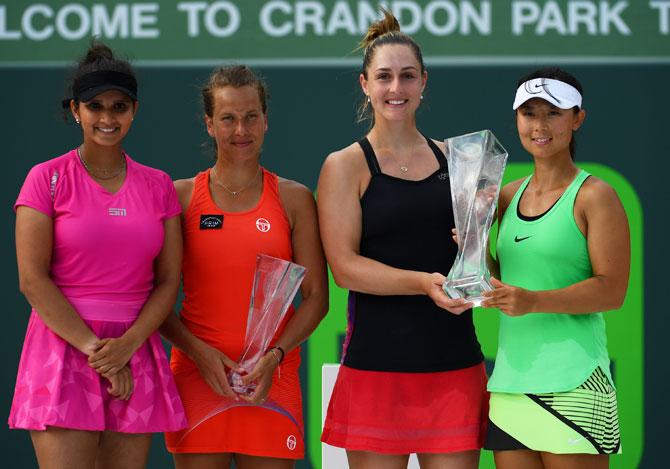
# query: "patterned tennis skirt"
x,y
56,387
582,421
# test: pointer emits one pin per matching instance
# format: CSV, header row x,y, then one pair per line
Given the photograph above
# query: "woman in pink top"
x,y
99,251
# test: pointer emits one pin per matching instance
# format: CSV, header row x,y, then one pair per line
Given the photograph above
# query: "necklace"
x,y
237,192
404,167
102,173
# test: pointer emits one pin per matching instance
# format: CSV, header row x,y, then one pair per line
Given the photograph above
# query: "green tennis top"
x,y
546,352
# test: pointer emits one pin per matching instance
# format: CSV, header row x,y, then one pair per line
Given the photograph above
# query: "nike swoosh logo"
x,y
517,239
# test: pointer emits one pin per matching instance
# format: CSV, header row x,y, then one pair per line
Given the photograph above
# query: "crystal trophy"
x,y
276,283
476,165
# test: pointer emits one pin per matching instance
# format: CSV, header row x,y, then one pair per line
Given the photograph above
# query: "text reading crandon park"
x,y
485,22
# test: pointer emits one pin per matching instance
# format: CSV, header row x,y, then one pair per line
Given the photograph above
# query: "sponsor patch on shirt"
x,y
263,225
52,185
116,212
211,222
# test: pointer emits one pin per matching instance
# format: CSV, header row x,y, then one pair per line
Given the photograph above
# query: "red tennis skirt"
x,y
403,413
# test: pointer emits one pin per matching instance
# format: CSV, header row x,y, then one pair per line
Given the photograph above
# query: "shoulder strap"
x,y
271,181
441,158
514,203
572,191
200,182
200,193
370,156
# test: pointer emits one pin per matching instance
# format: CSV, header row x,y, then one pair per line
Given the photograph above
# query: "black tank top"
x,y
407,224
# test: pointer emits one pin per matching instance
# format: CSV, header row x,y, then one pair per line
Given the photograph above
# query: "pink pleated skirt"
x,y
55,385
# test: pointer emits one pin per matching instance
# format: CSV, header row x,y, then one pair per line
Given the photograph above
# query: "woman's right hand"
x,y
212,364
111,354
121,384
433,288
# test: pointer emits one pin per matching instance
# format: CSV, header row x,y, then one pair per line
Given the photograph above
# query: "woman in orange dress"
x,y
232,212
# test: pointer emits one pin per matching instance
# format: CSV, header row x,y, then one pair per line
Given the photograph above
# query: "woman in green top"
x,y
564,253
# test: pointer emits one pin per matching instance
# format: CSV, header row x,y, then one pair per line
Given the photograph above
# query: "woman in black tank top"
x,y
412,379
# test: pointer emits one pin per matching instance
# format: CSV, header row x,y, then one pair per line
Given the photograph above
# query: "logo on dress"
x,y
263,225
52,185
291,442
211,222
517,239
116,212
443,176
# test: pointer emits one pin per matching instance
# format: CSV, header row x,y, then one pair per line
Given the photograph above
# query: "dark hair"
x,y
383,32
236,76
555,73
99,58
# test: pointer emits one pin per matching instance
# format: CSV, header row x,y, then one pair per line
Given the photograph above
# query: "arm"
x,y
339,191
301,210
210,361
603,219
504,198
34,243
492,262
116,352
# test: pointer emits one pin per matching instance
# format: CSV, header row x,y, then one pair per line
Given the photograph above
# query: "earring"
x,y
421,97
76,119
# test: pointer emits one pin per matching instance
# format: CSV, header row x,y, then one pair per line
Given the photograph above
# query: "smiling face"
x,y
237,123
546,130
106,118
394,82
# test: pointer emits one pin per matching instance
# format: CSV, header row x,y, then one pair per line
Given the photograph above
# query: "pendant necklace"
x,y
237,192
403,167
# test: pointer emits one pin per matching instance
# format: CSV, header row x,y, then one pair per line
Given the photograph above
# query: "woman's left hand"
x,y
513,301
111,355
121,384
262,376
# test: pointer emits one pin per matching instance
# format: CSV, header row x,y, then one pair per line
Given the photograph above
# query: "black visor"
x,y
92,84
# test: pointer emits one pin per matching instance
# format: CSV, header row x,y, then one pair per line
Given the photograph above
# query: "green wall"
x,y
311,114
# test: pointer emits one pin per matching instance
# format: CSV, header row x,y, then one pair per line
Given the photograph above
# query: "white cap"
x,y
556,92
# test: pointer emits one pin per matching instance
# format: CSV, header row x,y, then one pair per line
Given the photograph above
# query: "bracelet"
x,y
279,358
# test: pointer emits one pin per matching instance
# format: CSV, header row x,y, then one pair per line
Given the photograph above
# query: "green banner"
x,y
326,31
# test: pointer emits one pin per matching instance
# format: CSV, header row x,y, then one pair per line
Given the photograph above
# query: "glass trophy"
x,y
276,282
476,165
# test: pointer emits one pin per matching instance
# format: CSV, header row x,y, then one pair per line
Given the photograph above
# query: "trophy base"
x,y
238,386
469,288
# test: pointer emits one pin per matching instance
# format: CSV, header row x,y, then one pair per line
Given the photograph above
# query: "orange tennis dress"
x,y
220,251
